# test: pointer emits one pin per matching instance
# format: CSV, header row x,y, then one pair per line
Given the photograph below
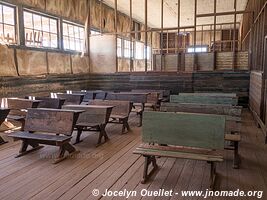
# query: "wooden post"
x,y
234,39
89,33
146,36
131,37
195,37
178,31
161,36
214,35
116,31
101,16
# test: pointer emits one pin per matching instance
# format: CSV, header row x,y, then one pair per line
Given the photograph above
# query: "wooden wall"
x,y
176,82
204,61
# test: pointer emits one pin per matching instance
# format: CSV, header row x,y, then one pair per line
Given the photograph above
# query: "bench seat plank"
x,y
40,136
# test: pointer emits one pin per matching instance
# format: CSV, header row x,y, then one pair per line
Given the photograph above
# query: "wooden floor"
x,y
113,166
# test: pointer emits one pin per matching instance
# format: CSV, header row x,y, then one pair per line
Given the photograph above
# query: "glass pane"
x,y
1,14
76,32
53,41
66,43
28,36
37,22
38,38
81,33
53,26
9,34
71,30
72,44
9,17
28,20
65,29
1,32
46,40
45,24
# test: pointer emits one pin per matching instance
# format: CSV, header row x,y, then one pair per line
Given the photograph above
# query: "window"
x,y
40,31
127,49
119,47
7,24
139,50
73,37
147,52
197,49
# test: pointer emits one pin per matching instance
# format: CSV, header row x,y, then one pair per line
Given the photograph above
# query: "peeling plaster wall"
x,y
7,62
59,63
31,62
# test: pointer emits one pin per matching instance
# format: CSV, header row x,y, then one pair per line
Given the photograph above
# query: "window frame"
x,y
13,6
62,36
42,14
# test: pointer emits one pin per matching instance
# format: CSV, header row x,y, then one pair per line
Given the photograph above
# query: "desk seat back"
x,y
50,121
3,114
19,106
203,99
218,109
132,97
47,102
71,99
98,114
120,107
184,129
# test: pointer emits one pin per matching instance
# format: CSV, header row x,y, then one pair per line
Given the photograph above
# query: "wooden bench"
x,y
18,109
210,94
184,135
132,97
94,118
48,126
231,113
47,102
204,99
71,99
164,95
153,99
3,114
120,112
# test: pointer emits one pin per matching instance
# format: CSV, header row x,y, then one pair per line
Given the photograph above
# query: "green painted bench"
x,y
185,136
204,99
210,94
231,113
48,126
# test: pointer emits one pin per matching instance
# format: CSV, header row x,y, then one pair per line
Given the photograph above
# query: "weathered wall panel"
x,y
59,63
7,62
31,62
255,91
80,64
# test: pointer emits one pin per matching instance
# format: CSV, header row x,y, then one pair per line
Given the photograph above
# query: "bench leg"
x,y
78,137
63,148
236,159
212,174
125,124
102,133
141,119
25,143
148,161
2,141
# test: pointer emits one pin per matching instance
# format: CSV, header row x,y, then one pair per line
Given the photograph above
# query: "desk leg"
x,y
2,141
